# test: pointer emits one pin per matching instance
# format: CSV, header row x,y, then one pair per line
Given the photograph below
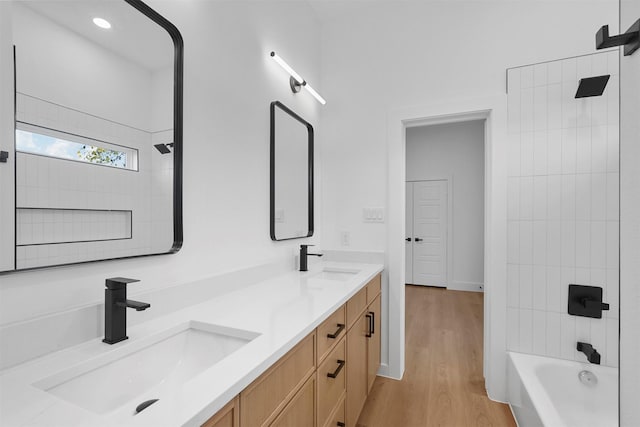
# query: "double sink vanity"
x,y
299,349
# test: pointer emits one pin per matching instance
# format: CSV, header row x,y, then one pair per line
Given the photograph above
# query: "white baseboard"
x,y
384,372
457,285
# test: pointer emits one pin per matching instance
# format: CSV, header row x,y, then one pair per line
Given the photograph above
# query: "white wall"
x,y
563,206
456,152
229,82
161,100
393,55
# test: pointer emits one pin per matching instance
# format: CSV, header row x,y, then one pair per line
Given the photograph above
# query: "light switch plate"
x,y
373,214
345,238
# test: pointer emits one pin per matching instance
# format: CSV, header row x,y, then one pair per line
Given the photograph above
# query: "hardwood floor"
x,y
443,383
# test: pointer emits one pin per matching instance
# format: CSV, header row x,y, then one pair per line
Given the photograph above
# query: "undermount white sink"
x,y
161,363
336,274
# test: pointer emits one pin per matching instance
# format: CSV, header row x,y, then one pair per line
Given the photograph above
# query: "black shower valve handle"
x,y
586,301
591,304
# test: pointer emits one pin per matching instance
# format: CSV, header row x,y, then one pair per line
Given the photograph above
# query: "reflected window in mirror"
x,y
291,174
91,106
50,143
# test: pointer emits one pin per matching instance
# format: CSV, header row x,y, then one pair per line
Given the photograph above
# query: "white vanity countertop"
x,y
283,310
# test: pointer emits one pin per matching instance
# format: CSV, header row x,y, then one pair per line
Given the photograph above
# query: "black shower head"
x,y
592,86
163,148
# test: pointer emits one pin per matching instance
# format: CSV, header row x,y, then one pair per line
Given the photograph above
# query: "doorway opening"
x,y
444,205
489,110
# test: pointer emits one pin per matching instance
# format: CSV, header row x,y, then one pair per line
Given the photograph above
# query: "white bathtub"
x,y
547,392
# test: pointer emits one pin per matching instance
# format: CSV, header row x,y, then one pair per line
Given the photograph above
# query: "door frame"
x,y
493,110
449,179
629,296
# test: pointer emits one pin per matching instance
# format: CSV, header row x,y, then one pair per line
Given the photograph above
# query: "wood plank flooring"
x,y
443,383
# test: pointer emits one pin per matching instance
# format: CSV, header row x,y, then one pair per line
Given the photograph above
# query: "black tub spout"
x,y
592,354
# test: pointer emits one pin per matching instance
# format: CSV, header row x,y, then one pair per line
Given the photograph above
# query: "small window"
x,y
51,143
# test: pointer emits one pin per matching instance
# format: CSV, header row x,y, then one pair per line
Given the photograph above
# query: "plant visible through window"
x,y
61,146
102,156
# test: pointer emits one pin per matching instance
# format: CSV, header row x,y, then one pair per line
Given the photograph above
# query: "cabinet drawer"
x,y
225,417
328,329
300,411
331,382
263,399
355,306
338,417
373,289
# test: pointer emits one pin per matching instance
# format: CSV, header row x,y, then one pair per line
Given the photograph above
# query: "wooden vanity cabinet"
x,y
338,417
299,412
373,343
331,373
357,369
330,332
331,382
355,306
226,417
345,349
363,350
267,396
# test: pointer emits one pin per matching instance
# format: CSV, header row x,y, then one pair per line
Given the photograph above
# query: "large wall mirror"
x,y
98,132
291,174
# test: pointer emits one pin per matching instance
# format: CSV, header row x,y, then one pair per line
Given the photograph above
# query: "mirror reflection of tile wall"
x,y
84,99
95,196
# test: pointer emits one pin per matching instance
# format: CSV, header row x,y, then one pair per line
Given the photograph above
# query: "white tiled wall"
x,y
161,193
47,182
47,226
563,207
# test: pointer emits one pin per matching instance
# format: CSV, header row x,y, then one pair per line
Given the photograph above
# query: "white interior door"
x,y
430,233
408,274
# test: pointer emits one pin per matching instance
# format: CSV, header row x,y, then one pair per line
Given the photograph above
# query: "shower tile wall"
x,y
47,183
161,194
563,217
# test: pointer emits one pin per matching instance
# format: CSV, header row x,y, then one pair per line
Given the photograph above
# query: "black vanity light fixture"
x,y
296,82
164,148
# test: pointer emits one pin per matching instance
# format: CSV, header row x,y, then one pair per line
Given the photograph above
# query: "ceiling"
x,y
132,36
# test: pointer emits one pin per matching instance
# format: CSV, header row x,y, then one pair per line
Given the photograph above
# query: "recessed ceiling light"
x,y
102,23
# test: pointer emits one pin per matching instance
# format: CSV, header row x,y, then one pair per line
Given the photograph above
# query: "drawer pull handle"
x,y
340,424
369,333
337,371
373,322
337,332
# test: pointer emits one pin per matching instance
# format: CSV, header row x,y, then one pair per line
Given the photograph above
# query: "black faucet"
x,y
115,309
592,355
303,257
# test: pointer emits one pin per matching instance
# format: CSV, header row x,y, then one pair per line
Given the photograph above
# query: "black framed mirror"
x,y
98,89
291,174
